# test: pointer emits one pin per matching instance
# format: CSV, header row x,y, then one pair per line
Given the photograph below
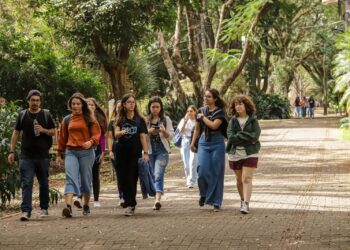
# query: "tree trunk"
x,y
174,76
266,73
218,44
246,51
116,68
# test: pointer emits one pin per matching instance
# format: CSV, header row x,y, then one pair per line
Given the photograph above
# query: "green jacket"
x,y
248,138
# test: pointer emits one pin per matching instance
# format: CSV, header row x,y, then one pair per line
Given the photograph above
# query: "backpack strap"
x,y
22,115
46,116
66,123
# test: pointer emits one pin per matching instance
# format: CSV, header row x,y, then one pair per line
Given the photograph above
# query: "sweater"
x,y
248,138
78,133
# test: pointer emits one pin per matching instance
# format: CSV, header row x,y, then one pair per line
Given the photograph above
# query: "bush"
x,y
9,175
272,106
344,122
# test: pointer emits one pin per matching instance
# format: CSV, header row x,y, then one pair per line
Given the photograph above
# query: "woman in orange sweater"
x,y
79,134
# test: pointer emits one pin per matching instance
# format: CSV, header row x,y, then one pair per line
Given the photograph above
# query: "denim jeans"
x,y
211,168
312,112
78,163
190,161
159,160
28,169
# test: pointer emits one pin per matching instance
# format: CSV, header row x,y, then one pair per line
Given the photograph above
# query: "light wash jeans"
x,y
159,160
190,161
78,164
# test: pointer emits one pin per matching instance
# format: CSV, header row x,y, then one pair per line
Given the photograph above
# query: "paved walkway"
x,y
301,200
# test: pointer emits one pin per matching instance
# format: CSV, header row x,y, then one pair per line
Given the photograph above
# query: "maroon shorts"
x,y
249,162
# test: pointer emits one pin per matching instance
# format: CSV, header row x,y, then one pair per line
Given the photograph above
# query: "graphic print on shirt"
x,y
131,130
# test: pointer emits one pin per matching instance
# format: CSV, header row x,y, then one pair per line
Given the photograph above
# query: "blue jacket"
x,y
146,179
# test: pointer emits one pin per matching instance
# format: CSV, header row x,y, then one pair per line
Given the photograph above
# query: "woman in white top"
x,y
186,126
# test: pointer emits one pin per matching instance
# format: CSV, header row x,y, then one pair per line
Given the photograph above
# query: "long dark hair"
x,y
85,109
114,112
247,101
216,95
100,115
122,114
156,99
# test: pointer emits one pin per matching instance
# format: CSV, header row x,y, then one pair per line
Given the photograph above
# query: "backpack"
x,y
46,119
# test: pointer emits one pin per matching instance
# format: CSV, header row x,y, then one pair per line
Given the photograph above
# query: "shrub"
x,y
9,175
270,106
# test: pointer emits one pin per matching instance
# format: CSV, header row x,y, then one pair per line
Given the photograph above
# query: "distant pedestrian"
x,y
160,131
312,107
243,146
79,134
211,127
304,104
111,143
100,149
37,128
189,158
131,131
297,107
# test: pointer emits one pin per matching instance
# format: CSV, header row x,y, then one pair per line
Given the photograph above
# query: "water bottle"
x,y
36,132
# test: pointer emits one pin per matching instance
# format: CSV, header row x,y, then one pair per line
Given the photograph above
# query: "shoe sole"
x,y
244,212
66,212
128,214
77,204
24,218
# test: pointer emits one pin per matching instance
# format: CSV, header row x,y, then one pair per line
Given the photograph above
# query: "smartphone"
x,y
156,127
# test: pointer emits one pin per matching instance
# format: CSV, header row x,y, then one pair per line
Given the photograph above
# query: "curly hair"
x,y
247,101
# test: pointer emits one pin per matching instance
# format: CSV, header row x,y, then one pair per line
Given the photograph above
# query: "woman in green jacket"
x,y
243,146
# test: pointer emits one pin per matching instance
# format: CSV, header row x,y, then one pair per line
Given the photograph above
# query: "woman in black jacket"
x,y
243,146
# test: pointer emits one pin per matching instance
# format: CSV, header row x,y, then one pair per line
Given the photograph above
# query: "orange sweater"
x,y
78,133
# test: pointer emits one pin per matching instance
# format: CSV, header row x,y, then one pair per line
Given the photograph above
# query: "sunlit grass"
x,y
345,132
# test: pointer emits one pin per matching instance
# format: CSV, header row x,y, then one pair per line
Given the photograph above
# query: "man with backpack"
x,y
37,128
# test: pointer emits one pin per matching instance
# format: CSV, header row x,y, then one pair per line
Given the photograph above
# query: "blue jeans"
x,y
78,163
211,168
28,169
190,161
159,160
312,112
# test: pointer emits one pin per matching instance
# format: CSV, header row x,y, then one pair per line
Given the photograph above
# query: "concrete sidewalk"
x,y
301,200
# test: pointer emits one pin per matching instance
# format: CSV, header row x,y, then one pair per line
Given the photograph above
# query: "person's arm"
x,y
195,136
144,146
167,132
119,133
110,142
213,125
14,139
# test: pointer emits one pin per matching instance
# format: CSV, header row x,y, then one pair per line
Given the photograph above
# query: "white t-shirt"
x,y
188,127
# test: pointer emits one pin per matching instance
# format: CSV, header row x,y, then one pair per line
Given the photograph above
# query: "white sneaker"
x,y
97,204
245,208
130,211
43,213
122,203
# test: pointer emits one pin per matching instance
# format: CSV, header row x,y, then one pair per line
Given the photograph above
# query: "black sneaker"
x,y
67,211
201,201
86,210
25,216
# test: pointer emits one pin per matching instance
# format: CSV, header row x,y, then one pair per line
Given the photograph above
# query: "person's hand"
x,y
38,128
11,158
145,156
59,162
111,155
194,149
200,116
152,130
124,131
162,129
87,145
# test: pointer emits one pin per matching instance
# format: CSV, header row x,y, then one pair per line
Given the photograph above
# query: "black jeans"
x,y
117,173
128,165
28,169
96,179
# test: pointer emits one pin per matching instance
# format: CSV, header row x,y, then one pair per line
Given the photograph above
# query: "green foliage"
x,y
9,175
342,68
54,196
31,59
272,106
227,60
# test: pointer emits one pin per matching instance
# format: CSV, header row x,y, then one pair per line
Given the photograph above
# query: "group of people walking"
x,y
131,137
304,107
